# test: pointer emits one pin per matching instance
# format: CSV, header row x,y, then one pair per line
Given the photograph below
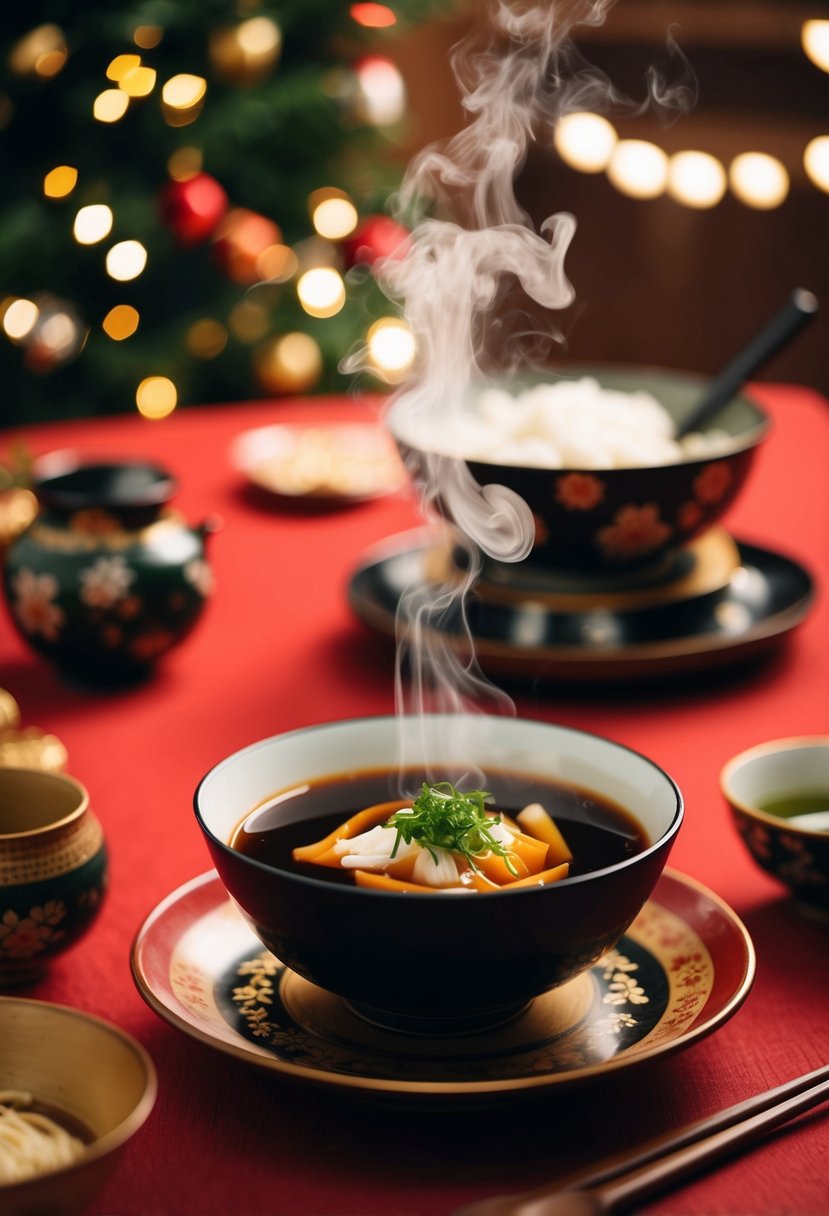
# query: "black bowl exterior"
x,y
439,955
799,860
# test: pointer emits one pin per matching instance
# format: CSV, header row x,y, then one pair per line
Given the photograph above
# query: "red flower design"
x,y
579,491
634,531
711,483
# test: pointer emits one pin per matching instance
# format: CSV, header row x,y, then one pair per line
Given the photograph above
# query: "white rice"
x,y
572,424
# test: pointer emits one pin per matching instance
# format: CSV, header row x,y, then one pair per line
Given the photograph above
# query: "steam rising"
x,y
473,251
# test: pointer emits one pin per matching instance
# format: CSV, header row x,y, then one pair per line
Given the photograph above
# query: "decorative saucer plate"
x,y
337,462
729,610
683,968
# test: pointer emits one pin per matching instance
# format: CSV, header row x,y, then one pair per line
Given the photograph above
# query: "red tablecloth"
x,y
278,649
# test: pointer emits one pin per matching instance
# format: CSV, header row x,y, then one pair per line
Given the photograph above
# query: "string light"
x,y
696,179
120,322
321,291
156,397
206,339
92,224
41,52
585,141
122,64
138,81
638,168
248,321
758,180
289,364
814,37
816,161
126,260
147,36
60,181
277,263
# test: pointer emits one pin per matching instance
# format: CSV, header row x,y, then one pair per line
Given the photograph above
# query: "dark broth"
x,y
599,832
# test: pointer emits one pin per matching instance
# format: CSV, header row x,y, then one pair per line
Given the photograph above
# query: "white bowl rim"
x,y
792,743
665,838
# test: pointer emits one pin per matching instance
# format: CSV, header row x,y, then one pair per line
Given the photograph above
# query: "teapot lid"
x,y
109,484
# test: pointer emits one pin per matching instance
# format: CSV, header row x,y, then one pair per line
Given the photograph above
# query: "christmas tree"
x,y
194,192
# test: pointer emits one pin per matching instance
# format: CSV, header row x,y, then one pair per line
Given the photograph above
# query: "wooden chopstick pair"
x,y
615,1183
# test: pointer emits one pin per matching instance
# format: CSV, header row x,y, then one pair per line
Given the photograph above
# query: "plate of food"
x,y
337,462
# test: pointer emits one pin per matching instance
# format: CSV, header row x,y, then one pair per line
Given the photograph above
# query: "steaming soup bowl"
x,y
410,959
608,521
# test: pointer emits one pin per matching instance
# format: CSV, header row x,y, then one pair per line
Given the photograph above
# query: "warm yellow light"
x,y
373,16
277,262
58,334
41,52
321,291
60,181
638,168
758,180
816,161
184,91
122,64
814,36
92,224
138,81
121,322
110,105
391,345
382,91
147,36
259,37
696,179
156,397
290,364
585,141
335,218
126,260
51,63
20,318
185,163
206,338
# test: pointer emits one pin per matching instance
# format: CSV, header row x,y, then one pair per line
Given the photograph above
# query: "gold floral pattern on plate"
x,y
683,968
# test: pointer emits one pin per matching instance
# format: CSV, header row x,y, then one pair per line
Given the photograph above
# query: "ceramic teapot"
x,y
107,578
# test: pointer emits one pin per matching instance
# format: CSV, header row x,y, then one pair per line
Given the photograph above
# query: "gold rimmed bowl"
x,y
778,795
88,1076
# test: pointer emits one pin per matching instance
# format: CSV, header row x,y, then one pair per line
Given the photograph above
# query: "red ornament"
x,y
379,236
192,208
241,240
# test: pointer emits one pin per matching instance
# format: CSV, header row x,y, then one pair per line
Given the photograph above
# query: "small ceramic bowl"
x,y
53,869
86,1074
421,960
774,791
600,521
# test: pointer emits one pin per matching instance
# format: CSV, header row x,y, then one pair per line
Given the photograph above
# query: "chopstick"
x,y
617,1180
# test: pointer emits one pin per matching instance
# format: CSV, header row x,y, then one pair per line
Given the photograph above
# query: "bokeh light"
x,y
816,161
585,141
278,263
19,319
638,168
289,364
122,64
92,224
696,179
138,81
121,322
110,105
814,37
60,181
246,53
184,163
382,93
156,397
42,52
126,260
334,217
182,98
373,16
147,36
205,339
758,180
321,291
391,346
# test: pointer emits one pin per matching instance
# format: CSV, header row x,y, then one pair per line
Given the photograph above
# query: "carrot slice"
x,y
542,879
361,822
540,824
527,854
375,881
